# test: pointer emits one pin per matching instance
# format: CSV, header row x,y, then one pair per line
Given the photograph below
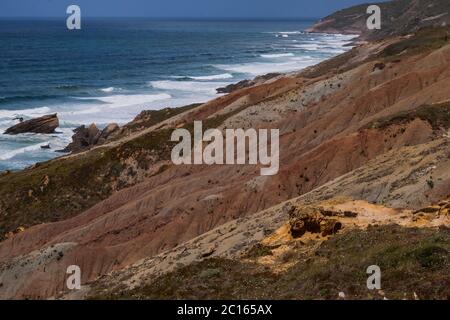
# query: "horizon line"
x,y
164,18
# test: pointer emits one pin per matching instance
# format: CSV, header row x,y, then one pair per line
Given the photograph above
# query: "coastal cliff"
x,y
364,144
398,17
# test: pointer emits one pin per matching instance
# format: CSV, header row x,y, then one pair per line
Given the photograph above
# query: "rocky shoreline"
x,y
86,137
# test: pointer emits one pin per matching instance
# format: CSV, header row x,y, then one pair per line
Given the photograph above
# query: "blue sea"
x,y
112,69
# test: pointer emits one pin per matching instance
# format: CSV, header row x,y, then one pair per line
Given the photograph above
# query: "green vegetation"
x,y
424,40
338,64
259,250
437,115
61,188
411,261
149,118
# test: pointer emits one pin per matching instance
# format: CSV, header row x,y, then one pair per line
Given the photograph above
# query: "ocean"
x,y
112,69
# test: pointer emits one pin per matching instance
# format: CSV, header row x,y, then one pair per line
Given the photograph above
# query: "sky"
x,y
177,8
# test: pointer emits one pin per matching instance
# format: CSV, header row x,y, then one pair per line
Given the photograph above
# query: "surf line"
x,y
236,151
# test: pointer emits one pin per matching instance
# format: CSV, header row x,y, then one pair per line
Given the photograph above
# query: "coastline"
x,y
364,179
114,104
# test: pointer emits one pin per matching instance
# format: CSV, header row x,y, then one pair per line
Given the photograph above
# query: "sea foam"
x,y
277,55
24,112
188,86
13,153
212,77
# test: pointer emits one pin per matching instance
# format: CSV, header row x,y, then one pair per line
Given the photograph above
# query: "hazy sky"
x,y
176,8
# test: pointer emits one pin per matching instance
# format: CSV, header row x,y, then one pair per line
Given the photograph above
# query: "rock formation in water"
x,y
45,124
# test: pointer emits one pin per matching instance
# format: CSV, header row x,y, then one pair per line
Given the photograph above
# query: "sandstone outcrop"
x,y
310,219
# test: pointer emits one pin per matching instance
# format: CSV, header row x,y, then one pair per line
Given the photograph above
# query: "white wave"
x,y
346,36
307,46
189,86
24,112
277,55
213,77
334,51
81,111
287,32
260,68
122,100
109,89
13,153
337,43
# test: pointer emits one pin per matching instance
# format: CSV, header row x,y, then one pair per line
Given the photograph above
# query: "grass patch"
x,y
424,40
437,115
149,118
258,250
411,260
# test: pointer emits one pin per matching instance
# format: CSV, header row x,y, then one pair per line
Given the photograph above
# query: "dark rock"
x,y
247,83
350,214
93,134
311,219
305,219
46,124
108,132
379,66
81,140
235,86
338,213
85,138
208,252
329,227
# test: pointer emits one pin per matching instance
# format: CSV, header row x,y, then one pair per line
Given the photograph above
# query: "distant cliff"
x,y
397,17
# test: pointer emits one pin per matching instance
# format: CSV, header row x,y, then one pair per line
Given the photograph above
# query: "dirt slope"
x,y
343,132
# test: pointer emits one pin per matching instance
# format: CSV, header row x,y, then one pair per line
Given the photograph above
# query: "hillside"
x,y
398,17
366,132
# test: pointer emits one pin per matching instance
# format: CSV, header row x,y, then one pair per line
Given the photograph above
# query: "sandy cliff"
x,y
370,125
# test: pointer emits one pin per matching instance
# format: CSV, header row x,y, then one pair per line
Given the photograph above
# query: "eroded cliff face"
x,y
373,126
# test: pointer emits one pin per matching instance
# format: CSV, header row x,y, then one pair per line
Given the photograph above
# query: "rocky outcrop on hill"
x,y
85,138
149,118
398,17
311,219
45,124
247,83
